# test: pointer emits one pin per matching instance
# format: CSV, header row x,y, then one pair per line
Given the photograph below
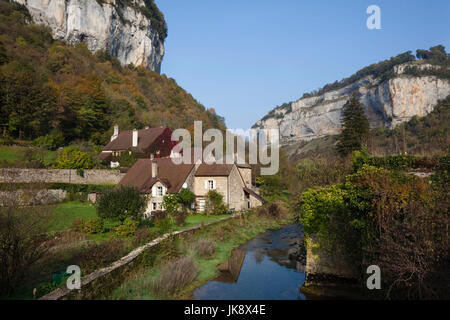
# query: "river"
x,y
260,270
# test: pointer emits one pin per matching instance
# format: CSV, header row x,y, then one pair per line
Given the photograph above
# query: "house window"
x,y
159,191
160,206
211,184
154,206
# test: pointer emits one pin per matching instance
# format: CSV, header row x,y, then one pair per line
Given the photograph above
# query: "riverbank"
x,y
223,237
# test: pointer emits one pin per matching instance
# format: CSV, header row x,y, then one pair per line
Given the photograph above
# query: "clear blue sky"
x,y
244,57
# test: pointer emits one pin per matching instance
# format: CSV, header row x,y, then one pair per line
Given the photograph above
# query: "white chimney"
x,y
116,132
135,138
154,169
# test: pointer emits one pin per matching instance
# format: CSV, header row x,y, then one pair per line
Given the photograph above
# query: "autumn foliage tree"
x,y
48,85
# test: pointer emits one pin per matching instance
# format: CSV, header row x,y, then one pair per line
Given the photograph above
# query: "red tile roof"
x,y
145,139
205,170
171,175
254,194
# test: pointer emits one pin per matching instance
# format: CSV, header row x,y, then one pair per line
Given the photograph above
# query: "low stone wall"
x,y
36,197
329,273
15,175
101,282
320,262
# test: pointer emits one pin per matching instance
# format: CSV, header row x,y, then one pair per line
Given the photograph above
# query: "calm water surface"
x,y
259,269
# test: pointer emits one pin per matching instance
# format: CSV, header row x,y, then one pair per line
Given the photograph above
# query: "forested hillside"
x,y
49,87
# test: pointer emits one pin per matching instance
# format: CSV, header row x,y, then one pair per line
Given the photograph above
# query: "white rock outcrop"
x,y
387,104
123,31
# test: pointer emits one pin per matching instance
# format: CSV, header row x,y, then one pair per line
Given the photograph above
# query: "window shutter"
x,y
214,184
206,184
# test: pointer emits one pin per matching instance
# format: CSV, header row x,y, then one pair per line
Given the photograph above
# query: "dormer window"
x,y
211,185
159,191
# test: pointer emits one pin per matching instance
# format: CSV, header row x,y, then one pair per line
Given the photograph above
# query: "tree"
x,y
121,203
355,127
23,241
186,197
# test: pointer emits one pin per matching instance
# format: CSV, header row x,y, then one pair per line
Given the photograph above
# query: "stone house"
x,y
145,143
160,176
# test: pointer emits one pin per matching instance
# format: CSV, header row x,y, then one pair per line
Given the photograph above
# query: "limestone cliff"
x,y
387,102
120,27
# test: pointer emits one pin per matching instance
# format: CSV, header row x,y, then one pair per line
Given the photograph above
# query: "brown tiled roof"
x,y
104,156
145,139
205,170
254,194
171,175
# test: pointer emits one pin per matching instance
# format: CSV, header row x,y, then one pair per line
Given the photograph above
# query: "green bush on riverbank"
x,y
387,218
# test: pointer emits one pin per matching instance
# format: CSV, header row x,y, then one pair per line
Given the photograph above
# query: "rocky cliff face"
x,y
387,103
122,30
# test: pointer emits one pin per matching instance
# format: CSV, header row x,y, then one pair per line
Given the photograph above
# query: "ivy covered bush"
x,y
214,203
387,218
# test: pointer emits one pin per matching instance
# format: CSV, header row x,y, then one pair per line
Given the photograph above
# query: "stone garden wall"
x,y
36,197
14,175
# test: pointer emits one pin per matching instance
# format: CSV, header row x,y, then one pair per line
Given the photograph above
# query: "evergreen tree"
x,y
355,127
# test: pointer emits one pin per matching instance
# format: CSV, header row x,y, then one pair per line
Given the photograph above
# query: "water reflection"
x,y
259,269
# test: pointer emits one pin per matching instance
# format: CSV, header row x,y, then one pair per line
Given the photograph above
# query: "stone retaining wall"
x,y
36,197
15,175
101,282
320,262
330,274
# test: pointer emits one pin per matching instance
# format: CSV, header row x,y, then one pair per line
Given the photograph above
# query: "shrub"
x,y
174,276
23,241
214,203
51,141
180,218
186,197
78,225
261,211
127,229
205,248
164,225
95,255
90,226
72,158
158,215
143,236
93,225
388,219
170,203
274,210
121,203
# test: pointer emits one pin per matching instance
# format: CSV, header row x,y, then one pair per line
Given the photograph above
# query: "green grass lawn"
x,y
11,153
64,213
16,153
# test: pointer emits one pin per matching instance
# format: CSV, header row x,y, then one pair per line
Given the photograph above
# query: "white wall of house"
x,y
155,199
